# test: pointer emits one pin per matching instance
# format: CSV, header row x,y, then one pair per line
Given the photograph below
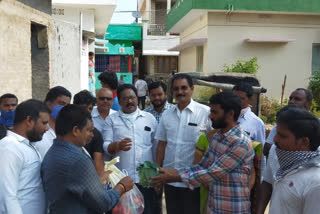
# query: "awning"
x,y
265,40
160,53
189,43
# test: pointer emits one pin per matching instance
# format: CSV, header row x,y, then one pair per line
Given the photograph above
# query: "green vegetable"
x,y
146,171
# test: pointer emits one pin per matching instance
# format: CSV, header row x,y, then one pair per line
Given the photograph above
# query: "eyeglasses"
x,y
126,99
105,98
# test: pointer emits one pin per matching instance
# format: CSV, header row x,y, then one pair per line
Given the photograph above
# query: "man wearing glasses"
x,y
129,134
103,109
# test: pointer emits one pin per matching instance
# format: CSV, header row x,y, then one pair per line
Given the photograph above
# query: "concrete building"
x,y
76,24
25,47
157,59
283,35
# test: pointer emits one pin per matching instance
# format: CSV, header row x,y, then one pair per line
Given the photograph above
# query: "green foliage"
x,y
146,171
269,109
242,66
314,86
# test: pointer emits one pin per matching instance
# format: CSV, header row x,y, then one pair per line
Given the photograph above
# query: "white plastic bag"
x,y
131,202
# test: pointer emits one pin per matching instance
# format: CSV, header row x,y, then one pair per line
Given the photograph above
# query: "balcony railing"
x,y
157,30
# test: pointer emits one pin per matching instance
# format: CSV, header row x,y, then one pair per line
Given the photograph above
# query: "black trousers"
x,y
182,200
152,200
142,100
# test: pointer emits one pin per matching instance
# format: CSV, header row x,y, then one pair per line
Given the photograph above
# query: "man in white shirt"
x,y
103,110
129,133
56,99
142,89
296,189
21,189
177,133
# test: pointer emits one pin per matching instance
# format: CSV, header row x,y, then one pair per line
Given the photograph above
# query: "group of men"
x,y
52,156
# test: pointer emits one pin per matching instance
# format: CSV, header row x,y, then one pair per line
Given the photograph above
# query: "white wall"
x,y
65,69
226,45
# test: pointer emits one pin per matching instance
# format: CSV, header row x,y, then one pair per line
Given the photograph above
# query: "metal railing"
x,y
157,30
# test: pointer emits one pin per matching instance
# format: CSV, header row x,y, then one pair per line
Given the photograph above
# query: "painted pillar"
x,y
168,5
129,64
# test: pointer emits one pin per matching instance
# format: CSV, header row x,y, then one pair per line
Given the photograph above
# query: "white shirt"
x,y
98,121
272,166
297,193
142,87
21,188
272,134
142,135
45,144
181,130
255,128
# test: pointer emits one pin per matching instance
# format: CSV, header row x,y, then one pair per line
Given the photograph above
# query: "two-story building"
x,y
283,35
157,59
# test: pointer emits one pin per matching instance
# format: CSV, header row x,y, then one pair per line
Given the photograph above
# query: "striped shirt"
x,y
226,168
157,115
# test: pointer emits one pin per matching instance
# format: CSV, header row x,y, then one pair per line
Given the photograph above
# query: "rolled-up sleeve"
x,y
107,134
86,185
11,165
194,176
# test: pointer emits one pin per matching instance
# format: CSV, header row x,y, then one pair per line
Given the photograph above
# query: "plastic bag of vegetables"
x,y
146,171
131,202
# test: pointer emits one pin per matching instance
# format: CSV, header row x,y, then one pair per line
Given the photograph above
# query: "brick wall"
x,y
15,47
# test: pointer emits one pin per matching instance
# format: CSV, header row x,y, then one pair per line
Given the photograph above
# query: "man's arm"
x,y
11,165
161,149
264,195
98,162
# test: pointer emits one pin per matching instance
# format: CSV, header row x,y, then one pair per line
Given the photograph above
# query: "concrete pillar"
x,y
168,5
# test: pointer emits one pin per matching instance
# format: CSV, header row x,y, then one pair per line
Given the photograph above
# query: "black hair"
x,y
71,116
183,76
91,53
6,96
30,108
228,102
56,92
302,124
155,85
84,97
126,86
244,87
109,78
3,131
308,93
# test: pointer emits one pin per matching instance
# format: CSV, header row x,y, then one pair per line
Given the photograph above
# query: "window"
x,y
166,64
315,57
199,58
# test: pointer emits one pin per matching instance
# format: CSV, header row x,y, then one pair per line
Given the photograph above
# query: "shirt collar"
x,y
246,113
165,107
18,137
68,144
228,133
191,106
95,112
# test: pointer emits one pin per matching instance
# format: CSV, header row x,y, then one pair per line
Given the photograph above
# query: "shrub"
x,y
269,109
242,66
314,86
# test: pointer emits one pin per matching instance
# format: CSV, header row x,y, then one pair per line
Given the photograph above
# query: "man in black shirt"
x,y
95,147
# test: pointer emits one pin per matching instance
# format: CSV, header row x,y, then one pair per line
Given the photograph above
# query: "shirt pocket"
x,y
191,132
120,132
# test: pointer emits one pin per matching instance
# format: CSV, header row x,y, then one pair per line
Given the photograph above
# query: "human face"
x,y
298,97
59,101
128,101
217,117
158,97
182,91
245,100
286,140
104,100
9,104
39,127
85,135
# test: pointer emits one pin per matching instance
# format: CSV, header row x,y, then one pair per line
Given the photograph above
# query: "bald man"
x,y
103,109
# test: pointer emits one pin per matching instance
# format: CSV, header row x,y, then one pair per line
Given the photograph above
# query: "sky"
x,y
124,18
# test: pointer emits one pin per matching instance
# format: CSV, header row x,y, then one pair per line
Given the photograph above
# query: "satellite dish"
x,y
136,14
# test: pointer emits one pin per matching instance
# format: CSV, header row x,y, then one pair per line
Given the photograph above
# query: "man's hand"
x,y
105,177
125,144
166,176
